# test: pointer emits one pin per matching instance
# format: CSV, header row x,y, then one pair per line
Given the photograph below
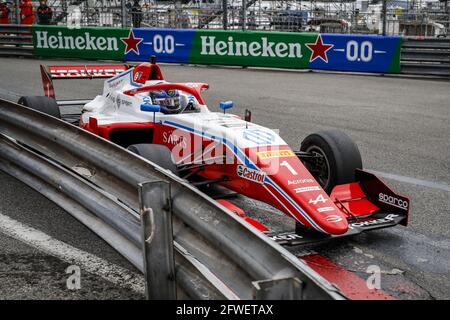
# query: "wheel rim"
x,y
320,167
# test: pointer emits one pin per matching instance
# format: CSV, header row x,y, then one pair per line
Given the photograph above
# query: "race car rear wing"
x,y
48,73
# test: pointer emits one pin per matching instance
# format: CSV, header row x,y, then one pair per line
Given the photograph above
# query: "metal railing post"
x,y
384,17
244,15
225,14
18,19
124,14
157,238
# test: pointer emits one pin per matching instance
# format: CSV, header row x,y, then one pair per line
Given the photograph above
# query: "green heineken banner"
x,y
86,43
268,49
341,52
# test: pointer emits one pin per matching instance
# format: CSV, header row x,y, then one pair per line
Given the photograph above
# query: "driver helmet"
x,y
168,99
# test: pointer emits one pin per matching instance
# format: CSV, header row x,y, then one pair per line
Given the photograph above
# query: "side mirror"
x,y
225,105
150,107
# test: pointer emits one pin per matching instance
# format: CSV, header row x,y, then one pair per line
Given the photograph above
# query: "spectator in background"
x,y
136,14
4,13
26,12
44,13
73,17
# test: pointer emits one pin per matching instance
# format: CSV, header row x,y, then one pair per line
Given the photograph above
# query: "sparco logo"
x,y
250,174
84,42
396,202
262,48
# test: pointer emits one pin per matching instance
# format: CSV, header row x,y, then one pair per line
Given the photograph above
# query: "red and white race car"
x,y
321,186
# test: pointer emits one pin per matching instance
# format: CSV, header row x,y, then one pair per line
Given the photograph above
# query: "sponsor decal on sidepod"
x,y
275,154
251,174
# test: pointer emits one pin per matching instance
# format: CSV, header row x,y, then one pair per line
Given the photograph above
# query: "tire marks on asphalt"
x,y
410,180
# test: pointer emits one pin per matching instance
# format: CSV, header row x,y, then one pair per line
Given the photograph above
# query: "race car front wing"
x,y
368,191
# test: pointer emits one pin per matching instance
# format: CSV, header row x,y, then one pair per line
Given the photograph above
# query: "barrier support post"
x,y
225,14
157,236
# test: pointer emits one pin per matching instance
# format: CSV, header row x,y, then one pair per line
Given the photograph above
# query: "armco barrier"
x,y
426,56
354,53
15,40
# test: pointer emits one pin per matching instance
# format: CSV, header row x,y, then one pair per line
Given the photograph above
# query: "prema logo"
x,y
251,174
393,201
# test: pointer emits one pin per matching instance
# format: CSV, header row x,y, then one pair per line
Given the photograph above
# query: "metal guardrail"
x,y
15,40
184,240
427,56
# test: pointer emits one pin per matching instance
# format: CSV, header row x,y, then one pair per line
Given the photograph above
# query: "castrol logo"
x,y
251,174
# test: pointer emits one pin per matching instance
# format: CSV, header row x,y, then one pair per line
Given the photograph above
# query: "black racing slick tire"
x,y
155,153
338,159
43,104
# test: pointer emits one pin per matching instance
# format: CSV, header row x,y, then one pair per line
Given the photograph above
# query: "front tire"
x,y
339,158
43,104
155,153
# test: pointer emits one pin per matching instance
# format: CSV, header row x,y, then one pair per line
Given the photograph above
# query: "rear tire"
x,y
156,153
43,104
340,158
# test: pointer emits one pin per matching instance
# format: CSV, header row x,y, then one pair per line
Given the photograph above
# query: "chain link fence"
x,y
402,17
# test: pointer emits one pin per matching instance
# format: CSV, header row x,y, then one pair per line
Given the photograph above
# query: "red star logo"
x,y
319,50
132,43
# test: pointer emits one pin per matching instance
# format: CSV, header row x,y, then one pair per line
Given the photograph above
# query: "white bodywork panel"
x,y
115,107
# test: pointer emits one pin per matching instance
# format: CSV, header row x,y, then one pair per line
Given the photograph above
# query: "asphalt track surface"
x,y
401,125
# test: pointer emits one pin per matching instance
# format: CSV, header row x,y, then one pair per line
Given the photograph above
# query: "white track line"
x,y
420,182
86,261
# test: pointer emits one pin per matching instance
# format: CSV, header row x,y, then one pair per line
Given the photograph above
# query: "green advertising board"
x,y
263,49
87,43
294,50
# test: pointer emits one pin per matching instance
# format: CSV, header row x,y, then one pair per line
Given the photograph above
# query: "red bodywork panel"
x,y
352,200
147,71
238,211
307,199
297,194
